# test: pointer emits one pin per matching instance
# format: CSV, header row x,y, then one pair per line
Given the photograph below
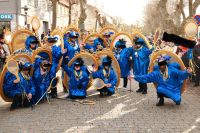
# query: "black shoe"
x,y
144,92
53,93
13,106
161,102
139,90
103,94
196,85
109,94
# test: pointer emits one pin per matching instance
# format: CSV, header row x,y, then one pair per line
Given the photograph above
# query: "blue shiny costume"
x,y
77,85
27,49
71,50
56,54
112,79
42,82
97,42
171,87
28,42
141,59
11,89
123,58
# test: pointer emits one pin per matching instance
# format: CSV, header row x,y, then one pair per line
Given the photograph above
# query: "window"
x,y
36,3
33,3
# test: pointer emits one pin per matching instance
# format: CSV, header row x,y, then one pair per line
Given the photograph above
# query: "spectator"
x,y
196,61
4,52
42,36
49,32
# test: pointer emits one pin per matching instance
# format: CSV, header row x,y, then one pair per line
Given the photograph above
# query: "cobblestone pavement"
x,y
124,113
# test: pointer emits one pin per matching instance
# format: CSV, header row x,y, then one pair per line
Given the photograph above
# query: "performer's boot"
x,y
196,84
144,91
160,102
196,80
144,88
17,101
140,88
103,92
26,103
53,93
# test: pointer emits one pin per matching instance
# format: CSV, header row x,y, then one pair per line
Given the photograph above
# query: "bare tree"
x,y
117,21
83,14
71,3
157,15
101,20
54,17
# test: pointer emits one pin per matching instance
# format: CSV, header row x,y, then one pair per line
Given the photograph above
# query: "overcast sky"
x,y
132,11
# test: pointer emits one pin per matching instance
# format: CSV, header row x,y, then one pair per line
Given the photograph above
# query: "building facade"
x,y
13,15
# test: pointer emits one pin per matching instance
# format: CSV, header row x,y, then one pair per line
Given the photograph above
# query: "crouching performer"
x,y
107,74
169,80
78,80
20,91
43,73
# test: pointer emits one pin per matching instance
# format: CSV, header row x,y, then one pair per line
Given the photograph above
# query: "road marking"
x,y
189,130
116,112
109,100
78,129
192,127
197,120
139,101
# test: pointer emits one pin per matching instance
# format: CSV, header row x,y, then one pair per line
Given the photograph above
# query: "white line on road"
x,y
189,130
139,101
78,129
109,100
116,112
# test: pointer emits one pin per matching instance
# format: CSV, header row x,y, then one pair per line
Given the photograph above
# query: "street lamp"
x,y
26,13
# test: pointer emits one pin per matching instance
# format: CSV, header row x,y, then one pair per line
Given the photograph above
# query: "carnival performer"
x,y
43,73
21,91
107,74
169,80
97,45
140,56
30,45
55,44
71,45
78,80
107,37
122,55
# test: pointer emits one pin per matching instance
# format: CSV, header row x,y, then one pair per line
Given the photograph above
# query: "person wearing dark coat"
x,y
196,61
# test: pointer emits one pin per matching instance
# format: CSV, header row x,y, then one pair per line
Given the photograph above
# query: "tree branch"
x,y
181,8
190,8
195,6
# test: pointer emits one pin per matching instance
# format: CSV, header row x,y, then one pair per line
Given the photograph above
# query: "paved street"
x,y
124,113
